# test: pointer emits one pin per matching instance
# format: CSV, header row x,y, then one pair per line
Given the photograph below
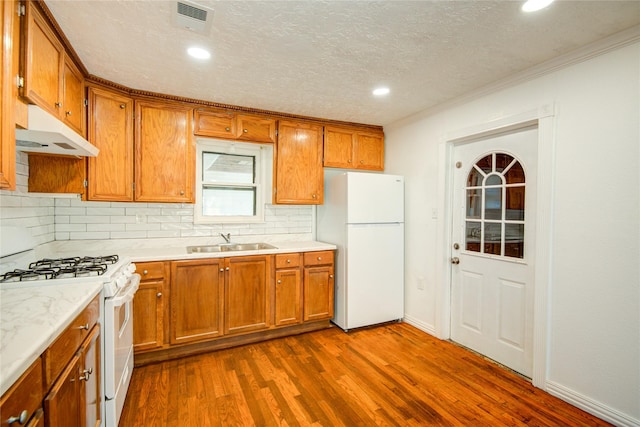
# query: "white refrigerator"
x,y
363,215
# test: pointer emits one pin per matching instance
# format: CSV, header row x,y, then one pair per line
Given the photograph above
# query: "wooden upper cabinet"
x,y
299,176
73,109
216,123
111,131
255,128
353,149
230,125
8,93
43,62
164,152
51,79
57,174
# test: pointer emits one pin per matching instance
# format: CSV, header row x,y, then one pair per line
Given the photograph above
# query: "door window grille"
x,y
494,210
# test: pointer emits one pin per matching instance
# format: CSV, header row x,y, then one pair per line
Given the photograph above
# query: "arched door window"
x,y
494,220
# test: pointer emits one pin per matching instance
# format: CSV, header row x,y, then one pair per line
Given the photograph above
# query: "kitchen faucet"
x,y
226,237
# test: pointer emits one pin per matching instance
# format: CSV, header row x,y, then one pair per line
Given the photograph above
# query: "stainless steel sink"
x,y
229,247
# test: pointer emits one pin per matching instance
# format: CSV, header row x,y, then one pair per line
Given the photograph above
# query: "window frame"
x,y
261,154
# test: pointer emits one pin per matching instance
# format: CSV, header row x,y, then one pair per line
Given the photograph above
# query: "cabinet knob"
x,y
349,161
181,193
21,419
313,196
227,268
145,272
331,276
122,106
86,374
85,327
58,105
159,294
279,281
221,270
288,261
362,162
245,130
227,129
68,113
319,258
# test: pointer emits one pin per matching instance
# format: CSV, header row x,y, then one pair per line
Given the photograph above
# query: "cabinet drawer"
x,y
65,346
318,258
214,123
25,395
150,270
287,261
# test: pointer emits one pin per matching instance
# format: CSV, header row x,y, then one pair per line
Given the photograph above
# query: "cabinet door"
x,y
9,30
43,63
197,290
73,109
318,293
214,123
370,151
57,174
164,153
62,404
299,173
148,312
111,131
288,297
90,391
247,294
255,128
338,147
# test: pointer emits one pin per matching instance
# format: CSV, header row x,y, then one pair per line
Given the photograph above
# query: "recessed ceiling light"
x,y
533,5
199,53
381,91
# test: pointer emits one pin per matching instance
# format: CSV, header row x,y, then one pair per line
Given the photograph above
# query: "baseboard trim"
x,y
591,406
425,327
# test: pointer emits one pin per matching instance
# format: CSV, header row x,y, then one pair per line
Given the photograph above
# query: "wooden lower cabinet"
x,y
149,306
24,398
90,379
247,302
62,404
222,302
287,305
197,292
318,285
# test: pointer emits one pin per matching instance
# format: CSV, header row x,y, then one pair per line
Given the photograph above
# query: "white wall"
x,y
594,288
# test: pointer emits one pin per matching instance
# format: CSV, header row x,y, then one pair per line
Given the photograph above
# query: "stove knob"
x,y
120,281
131,268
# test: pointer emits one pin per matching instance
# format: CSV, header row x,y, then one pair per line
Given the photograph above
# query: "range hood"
x,y
47,134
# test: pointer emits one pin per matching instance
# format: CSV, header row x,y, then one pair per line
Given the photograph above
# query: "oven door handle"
x,y
130,291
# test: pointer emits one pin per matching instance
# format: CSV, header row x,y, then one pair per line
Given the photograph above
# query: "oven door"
x,y
118,347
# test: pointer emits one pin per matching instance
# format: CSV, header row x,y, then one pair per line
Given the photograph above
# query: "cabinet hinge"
x,y
85,183
86,102
22,9
276,132
19,81
133,185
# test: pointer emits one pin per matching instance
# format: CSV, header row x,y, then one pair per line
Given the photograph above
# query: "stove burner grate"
x,y
59,268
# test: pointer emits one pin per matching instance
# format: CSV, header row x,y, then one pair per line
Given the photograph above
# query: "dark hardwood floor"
x,y
390,375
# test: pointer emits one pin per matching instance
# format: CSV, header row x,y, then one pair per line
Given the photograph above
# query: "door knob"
x,y
455,260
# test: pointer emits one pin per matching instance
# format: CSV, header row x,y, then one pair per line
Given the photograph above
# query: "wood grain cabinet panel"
x,y
73,108
318,285
9,30
215,123
90,380
25,396
299,177
149,307
197,292
255,128
62,404
247,299
288,296
164,153
110,174
57,174
352,148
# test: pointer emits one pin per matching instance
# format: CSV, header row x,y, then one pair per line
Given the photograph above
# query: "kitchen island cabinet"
x,y
164,152
299,177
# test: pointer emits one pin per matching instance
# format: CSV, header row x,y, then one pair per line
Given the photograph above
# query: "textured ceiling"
x,y
323,58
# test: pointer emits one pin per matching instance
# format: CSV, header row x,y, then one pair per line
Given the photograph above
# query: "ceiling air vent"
x,y
193,16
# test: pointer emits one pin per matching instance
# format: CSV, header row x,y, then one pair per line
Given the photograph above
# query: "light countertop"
x,y
32,317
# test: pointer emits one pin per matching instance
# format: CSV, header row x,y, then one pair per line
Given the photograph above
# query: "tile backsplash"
x,y
51,218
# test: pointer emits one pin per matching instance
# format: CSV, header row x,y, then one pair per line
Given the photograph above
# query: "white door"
x,y
493,244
